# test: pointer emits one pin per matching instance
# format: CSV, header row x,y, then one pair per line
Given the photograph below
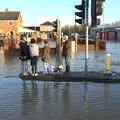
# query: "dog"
x,y
57,68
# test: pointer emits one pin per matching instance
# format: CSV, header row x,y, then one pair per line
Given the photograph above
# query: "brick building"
x,y
10,21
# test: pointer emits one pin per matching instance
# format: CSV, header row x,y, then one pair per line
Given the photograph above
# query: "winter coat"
x,y
24,51
66,49
46,54
34,50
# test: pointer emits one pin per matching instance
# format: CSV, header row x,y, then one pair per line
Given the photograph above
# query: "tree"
x,y
68,29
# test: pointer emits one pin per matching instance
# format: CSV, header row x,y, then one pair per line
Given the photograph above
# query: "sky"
x,y
35,12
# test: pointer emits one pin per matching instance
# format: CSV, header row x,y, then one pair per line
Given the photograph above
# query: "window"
x,y
10,22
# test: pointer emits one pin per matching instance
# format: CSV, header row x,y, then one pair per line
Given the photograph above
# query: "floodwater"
x,y
27,100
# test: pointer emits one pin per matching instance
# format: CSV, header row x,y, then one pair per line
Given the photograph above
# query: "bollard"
x,y
108,62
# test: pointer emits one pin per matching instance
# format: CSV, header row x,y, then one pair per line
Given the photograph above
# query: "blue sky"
x,y
35,12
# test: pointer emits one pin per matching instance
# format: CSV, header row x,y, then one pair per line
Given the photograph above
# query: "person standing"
x,y
66,53
24,55
34,53
46,56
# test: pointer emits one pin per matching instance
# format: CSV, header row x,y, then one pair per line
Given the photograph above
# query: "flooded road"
x,y
11,65
27,100
58,101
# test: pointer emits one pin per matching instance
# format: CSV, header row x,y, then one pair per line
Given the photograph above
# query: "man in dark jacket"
x,y
24,55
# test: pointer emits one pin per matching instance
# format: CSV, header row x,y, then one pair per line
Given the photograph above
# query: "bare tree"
x,y
68,29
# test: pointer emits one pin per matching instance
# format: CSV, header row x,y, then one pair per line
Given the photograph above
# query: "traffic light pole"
x,y
58,45
86,49
60,57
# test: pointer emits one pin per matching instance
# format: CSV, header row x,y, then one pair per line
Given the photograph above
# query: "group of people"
x,y
30,52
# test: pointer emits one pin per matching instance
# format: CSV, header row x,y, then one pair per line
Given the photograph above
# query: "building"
x,y
29,32
46,30
10,21
106,32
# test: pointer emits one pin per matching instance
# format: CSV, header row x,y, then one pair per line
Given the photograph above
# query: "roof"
x,y
112,26
37,28
9,15
24,29
47,23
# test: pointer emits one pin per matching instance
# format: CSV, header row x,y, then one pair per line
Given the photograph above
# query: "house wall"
x,y
118,35
107,34
45,30
6,28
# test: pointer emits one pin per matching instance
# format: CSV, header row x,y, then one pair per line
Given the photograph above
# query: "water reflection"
x,y
65,94
106,90
30,99
46,93
58,101
85,101
56,93
66,101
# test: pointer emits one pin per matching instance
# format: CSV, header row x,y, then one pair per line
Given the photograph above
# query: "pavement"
x,y
90,76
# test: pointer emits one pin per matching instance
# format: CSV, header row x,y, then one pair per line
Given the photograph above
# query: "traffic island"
x,y
74,77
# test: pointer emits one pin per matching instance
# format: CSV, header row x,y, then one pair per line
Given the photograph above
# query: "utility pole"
x,y
57,27
59,42
86,22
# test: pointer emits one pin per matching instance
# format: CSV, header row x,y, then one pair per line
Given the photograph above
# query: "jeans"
x,y
24,66
46,67
66,58
34,64
67,63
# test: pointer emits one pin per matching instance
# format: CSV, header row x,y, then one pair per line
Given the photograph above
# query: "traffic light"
x,y
80,14
96,10
55,25
99,9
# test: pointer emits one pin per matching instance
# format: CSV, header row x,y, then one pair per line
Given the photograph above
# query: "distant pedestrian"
x,y
66,53
24,55
34,53
46,56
